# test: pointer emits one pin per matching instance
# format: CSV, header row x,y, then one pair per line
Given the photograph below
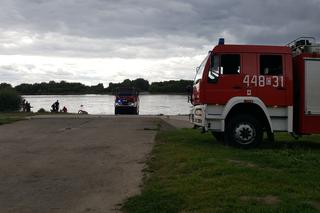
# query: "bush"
x,y
10,100
41,110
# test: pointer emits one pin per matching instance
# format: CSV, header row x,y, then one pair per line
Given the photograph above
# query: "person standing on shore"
x,y
28,106
23,105
55,106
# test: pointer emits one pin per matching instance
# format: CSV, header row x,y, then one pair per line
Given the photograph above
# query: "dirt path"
x,y
72,165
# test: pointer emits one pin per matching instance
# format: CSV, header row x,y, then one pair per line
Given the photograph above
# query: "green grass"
x,y
10,117
191,172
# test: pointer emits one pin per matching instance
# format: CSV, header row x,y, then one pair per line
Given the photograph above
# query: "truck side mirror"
x,y
189,87
189,91
213,76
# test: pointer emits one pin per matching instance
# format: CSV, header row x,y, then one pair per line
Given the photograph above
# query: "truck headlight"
x,y
198,112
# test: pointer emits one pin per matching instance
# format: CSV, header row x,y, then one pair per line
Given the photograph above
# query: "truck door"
x,y
271,82
224,79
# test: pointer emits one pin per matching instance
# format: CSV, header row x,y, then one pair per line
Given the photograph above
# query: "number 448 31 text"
x,y
262,81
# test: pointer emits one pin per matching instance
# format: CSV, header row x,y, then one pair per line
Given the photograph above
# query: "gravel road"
x,y
73,165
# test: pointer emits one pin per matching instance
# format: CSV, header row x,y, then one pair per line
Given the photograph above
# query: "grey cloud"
x,y
149,26
61,72
70,46
98,18
17,74
13,73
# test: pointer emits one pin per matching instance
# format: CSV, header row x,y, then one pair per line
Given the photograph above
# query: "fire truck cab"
x,y
242,91
126,101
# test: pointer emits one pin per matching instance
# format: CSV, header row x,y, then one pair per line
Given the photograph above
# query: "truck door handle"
x,y
281,88
237,87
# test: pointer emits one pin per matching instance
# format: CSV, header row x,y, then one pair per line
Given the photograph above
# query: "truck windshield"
x,y
127,92
200,70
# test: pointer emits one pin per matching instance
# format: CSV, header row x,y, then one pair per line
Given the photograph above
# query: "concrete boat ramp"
x,y
76,163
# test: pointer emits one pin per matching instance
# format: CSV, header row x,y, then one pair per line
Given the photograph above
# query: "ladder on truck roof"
x,y
304,45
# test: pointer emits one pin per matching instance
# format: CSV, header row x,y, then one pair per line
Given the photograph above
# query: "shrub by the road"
x,y
41,110
10,100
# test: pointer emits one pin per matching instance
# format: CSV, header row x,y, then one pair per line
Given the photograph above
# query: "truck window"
x,y
200,70
230,64
271,65
214,69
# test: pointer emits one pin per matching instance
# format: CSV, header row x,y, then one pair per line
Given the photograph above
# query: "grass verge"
x,y
190,172
10,117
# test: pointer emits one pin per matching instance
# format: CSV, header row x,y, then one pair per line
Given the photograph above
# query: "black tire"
x,y
244,131
219,136
135,111
116,111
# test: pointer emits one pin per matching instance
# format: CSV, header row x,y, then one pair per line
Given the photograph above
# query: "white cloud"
x,y
29,69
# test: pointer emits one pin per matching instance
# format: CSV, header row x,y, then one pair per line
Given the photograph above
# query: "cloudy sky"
x,y
93,41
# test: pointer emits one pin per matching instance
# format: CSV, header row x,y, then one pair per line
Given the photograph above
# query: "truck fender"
x,y
245,99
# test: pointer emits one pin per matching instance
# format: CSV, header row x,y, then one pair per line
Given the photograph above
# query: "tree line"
x,y
65,88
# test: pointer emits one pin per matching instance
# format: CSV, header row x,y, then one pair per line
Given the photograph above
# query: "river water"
x,y
104,104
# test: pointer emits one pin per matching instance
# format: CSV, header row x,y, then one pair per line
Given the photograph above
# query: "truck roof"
x,y
127,92
251,49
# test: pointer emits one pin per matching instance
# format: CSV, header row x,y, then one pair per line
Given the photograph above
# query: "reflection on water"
x,y
103,104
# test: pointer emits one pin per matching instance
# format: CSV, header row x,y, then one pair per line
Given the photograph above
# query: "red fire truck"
x,y
126,101
242,91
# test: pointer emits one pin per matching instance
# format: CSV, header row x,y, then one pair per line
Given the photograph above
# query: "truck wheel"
x,y
134,111
243,131
116,111
219,136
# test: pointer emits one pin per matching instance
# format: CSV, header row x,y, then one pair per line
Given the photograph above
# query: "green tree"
x,y
97,89
5,86
10,100
170,86
141,84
